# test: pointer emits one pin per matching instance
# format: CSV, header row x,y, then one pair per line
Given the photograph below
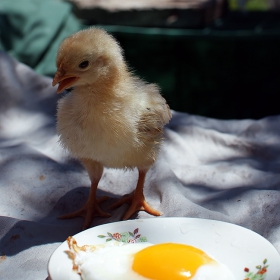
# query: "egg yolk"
x,y
169,261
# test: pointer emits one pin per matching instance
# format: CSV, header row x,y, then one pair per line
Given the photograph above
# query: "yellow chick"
x,y
110,119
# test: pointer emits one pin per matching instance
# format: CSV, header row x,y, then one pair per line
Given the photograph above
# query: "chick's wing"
x,y
154,111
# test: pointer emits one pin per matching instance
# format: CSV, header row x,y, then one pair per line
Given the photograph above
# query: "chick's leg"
x,y
137,199
91,208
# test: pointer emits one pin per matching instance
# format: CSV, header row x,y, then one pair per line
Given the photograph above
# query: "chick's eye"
x,y
84,64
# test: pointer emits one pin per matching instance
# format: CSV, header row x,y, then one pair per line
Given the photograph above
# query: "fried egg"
x,y
142,261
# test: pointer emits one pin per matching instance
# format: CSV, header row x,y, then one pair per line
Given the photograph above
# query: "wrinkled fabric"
x,y
207,168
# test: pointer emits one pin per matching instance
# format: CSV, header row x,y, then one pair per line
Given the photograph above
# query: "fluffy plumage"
x,y
110,118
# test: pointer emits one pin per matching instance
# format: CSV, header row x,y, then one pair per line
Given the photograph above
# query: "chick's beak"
x,y
65,81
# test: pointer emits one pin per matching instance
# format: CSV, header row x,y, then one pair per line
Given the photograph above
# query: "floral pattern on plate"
x,y
126,237
259,275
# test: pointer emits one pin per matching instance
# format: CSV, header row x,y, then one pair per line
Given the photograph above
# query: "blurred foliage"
x,y
250,5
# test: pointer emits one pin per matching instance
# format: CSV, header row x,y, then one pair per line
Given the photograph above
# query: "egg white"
x,y
213,272
113,261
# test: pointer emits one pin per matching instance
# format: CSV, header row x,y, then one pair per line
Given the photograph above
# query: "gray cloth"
x,y
208,168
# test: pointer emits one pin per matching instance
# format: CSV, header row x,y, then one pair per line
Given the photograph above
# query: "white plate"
x,y
238,248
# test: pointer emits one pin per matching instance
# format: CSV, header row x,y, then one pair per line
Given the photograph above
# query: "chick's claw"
x,y
88,211
137,203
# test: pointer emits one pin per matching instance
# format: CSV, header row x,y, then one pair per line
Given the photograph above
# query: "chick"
x,y
110,119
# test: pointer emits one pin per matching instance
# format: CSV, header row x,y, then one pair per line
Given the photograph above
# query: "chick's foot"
x,y
90,210
138,203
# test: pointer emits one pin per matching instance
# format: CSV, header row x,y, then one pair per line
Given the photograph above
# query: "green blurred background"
x,y
227,68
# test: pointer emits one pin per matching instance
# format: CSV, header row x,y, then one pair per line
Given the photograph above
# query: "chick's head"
x,y
86,56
